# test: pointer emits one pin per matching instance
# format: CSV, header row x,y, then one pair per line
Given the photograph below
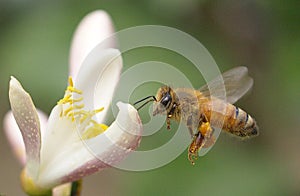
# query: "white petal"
x,y
98,78
120,138
82,158
14,135
27,119
92,30
60,132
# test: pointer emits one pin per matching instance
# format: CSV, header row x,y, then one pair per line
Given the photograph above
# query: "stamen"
x,y
94,122
84,116
94,130
77,100
98,110
72,109
103,126
74,90
70,81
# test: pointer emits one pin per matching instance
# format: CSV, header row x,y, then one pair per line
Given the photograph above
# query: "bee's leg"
x,y
199,140
191,131
209,139
168,123
206,130
196,144
189,124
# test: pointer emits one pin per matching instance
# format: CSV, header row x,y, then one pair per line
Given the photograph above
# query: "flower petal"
x,y
61,149
27,119
14,135
83,158
98,78
92,30
122,137
111,147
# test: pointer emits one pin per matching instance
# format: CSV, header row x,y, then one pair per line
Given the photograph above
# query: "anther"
x,y
73,90
98,110
70,81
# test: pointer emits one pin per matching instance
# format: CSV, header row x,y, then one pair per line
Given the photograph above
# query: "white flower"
x,y
73,142
92,30
73,145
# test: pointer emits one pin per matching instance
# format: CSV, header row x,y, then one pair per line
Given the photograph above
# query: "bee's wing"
x,y
236,82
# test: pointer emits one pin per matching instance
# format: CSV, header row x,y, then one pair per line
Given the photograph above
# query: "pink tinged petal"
x,y
27,119
92,30
43,117
98,78
122,136
111,147
14,135
62,151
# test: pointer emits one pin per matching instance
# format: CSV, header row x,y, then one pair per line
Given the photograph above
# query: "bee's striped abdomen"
x,y
239,123
233,120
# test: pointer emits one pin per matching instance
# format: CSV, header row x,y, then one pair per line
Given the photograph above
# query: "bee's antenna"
x,y
151,96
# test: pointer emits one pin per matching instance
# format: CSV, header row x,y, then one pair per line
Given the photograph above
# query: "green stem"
x,y
76,188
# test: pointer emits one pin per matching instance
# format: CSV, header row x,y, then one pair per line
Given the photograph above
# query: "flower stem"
x,y
76,188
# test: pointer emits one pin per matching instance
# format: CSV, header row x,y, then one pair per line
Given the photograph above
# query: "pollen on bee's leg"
x,y
195,146
205,129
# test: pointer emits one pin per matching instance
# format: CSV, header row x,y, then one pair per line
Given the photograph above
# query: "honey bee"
x,y
203,113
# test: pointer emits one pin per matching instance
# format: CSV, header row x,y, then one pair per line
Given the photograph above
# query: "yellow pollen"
x,y
77,100
103,126
72,109
98,110
94,122
74,90
84,116
70,80
68,97
94,130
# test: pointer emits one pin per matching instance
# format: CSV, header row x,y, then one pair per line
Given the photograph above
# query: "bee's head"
x,y
164,100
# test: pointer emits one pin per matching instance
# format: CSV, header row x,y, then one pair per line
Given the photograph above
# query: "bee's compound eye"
x,y
166,100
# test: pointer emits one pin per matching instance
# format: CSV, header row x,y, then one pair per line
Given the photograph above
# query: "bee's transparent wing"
x,y
236,82
230,86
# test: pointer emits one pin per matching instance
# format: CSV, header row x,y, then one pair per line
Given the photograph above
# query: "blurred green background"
x,y
35,38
